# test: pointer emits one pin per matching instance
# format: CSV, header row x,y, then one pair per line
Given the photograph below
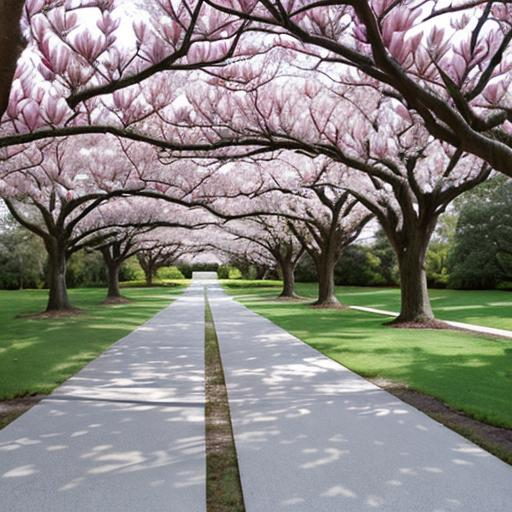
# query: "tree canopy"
x,y
237,116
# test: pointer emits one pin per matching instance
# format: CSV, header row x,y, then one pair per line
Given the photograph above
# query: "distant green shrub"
x,y
86,269
165,283
131,270
228,272
187,269
170,273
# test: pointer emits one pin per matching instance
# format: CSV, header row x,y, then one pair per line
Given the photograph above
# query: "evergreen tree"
x,y
481,256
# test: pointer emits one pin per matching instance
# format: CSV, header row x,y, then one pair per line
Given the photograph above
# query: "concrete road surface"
x,y
125,434
312,436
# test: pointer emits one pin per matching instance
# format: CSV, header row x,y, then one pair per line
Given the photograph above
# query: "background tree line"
x,y
471,249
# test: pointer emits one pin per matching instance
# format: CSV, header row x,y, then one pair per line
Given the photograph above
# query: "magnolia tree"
x,y
434,176
80,51
331,220
231,200
73,194
11,45
445,70
52,191
110,45
265,241
130,225
162,248
449,65
286,193
407,203
388,159
406,178
115,251
242,253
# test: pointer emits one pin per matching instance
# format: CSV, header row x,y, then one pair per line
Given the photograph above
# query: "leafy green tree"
x,y
481,256
22,257
436,261
359,266
171,272
306,271
229,272
388,266
86,269
131,270
436,264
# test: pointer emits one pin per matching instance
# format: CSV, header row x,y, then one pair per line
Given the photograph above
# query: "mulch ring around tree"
x,y
116,300
338,306
427,324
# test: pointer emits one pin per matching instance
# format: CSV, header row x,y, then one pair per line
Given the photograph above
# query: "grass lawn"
x,y
37,355
470,373
491,308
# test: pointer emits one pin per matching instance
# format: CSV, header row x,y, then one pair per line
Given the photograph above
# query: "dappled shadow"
x,y
125,433
472,374
492,308
312,435
51,315
37,355
160,360
88,455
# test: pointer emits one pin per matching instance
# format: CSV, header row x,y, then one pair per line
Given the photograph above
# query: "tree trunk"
x,y
11,46
326,288
21,272
113,280
149,273
415,300
261,272
288,274
58,294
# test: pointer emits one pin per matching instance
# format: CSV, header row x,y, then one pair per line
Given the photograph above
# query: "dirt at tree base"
x,y
428,324
287,298
338,306
116,300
